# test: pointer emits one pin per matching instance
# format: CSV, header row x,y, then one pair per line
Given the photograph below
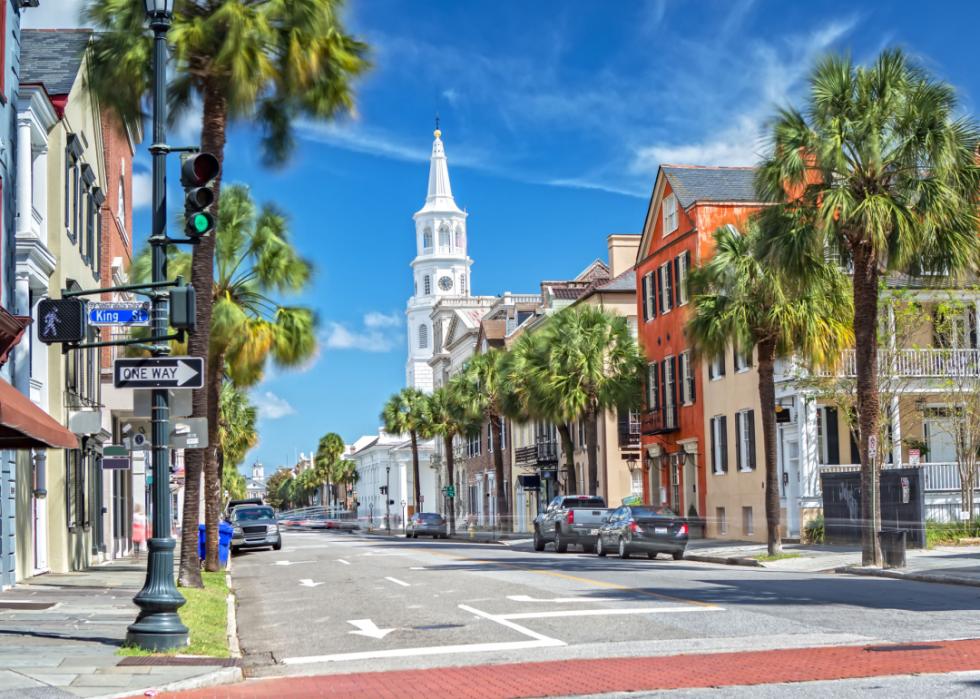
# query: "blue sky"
x,y
555,116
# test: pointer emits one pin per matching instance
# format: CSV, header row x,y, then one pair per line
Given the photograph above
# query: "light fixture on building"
x,y
632,463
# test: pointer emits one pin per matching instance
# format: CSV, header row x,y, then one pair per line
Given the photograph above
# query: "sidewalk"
x,y
59,633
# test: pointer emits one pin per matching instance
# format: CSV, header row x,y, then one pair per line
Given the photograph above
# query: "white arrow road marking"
x,y
306,582
291,563
608,612
397,581
341,560
559,600
366,627
185,372
538,641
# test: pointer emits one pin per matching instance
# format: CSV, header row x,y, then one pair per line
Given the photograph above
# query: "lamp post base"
x,y
158,627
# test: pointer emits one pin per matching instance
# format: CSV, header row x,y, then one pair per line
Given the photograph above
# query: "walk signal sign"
x,y
61,320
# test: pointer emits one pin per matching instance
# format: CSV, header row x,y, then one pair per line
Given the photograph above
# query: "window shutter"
x,y
711,369
724,442
677,280
660,287
645,293
714,444
653,294
676,386
662,397
739,417
721,364
971,313
833,440
751,427
691,378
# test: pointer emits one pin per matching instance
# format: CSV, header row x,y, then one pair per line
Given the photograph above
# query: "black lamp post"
x,y
158,627
388,499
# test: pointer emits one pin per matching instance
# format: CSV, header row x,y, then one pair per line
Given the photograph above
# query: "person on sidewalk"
x,y
139,528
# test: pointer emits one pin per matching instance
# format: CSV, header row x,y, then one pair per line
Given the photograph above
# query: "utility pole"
x,y
158,626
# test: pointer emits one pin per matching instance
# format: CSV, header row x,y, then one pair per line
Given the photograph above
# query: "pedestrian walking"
x,y
139,528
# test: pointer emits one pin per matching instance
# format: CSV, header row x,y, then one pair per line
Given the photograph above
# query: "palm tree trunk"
x,y
213,127
592,442
496,424
568,449
415,471
866,351
450,476
212,469
767,401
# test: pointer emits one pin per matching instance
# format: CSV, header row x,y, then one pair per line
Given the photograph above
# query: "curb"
x,y
232,620
899,575
724,560
226,675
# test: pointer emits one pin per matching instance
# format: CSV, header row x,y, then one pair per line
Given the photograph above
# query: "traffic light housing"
x,y
197,172
183,308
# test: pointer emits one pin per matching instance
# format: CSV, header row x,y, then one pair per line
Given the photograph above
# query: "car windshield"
x,y
584,502
251,514
430,517
639,512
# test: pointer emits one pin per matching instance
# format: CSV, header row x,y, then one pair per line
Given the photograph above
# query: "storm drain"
x,y
26,605
901,647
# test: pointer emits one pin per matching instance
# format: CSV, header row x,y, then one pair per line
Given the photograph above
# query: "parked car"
x,y
254,526
643,529
570,520
232,504
427,524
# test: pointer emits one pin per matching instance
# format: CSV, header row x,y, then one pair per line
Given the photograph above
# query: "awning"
x,y
23,425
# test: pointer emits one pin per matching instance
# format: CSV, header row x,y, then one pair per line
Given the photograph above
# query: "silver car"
x,y
427,524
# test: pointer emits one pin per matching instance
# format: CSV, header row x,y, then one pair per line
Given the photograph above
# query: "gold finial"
x,y
437,133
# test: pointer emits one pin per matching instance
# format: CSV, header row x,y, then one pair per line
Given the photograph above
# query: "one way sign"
x,y
159,372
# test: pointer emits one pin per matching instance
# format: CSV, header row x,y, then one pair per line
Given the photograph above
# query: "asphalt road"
x,y
339,603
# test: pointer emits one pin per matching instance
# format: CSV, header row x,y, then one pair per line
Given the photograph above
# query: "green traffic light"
x,y
201,223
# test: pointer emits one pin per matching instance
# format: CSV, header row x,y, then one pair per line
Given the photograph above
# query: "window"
x,y
121,195
719,444
89,249
581,433
687,379
670,214
745,440
743,360
665,283
71,187
828,437
423,336
459,238
649,292
462,284
426,285
653,386
427,240
681,265
670,388
716,368
489,438
722,520
444,239
748,527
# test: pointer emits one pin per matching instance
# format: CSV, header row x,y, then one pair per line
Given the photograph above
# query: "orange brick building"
x,y
687,205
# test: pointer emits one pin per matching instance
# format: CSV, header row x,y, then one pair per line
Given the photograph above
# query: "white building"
x,y
385,460
255,484
441,267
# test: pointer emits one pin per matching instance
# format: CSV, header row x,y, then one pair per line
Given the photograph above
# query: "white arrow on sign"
x,y
185,372
366,627
306,582
290,563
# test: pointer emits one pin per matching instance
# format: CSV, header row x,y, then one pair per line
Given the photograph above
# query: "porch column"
x,y
807,428
40,192
896,416
24,176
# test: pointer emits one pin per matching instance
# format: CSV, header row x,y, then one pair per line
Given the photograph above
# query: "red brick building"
x,y
687,205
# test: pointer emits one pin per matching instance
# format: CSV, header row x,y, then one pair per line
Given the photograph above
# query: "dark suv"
x,y
254,526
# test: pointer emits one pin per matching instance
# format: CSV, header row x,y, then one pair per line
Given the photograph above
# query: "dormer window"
x,y
669,209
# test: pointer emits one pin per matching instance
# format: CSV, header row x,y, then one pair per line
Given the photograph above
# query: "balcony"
x,y
660,421
915,363
937,476
544,452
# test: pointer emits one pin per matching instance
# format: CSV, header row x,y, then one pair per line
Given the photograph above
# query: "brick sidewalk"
x,y
578,677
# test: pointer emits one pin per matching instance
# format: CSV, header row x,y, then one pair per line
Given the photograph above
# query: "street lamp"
x,y
158,627
388,498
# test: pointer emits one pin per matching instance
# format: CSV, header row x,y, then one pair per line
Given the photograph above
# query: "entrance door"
x,y
40,534
790,483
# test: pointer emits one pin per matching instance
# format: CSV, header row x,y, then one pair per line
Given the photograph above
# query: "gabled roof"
x,y
624,282
691,183
52,57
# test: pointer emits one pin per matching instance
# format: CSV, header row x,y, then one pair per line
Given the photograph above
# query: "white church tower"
x,y
440,268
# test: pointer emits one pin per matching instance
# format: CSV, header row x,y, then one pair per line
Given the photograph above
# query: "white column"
x,y
896,416
22,296
41,189
24,175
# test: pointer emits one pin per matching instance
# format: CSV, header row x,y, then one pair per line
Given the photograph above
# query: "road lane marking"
x,y
503,621
366,627
608,612
560,600
417,568
397,581
291,563
341,560
307,582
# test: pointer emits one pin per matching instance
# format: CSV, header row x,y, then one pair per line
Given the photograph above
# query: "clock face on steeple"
x,y
445,283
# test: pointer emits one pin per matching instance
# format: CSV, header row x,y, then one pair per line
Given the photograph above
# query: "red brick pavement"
x,y
576,677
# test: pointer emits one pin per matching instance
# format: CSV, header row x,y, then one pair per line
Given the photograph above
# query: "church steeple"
x,y
440,194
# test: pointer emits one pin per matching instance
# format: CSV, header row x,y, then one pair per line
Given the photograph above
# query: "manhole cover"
x,y
26,605
900,647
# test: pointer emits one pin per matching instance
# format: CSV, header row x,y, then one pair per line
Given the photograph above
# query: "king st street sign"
x,y
119,313
159,372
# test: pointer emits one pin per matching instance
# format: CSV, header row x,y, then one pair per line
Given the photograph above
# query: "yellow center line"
x,y
573,578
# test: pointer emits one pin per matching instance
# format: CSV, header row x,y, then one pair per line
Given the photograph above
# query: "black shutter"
x,y
739,417
662,396
645,293
677,280
624,426
833,441
714,445
670,285
691,379
751,416
676,387
660,287
855,448
724,442
972,315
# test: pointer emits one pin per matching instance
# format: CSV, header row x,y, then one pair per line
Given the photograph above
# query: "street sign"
x,y
159,372
914,457
61,320
189,433
119,313
449,491
115,457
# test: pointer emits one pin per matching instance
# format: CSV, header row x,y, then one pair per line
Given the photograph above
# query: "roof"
x,y
494,329
692,183
52,57
624,282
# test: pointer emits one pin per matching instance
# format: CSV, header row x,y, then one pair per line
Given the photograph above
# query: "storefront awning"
x,y
23,425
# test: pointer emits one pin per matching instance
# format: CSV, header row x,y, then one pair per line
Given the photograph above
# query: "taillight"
x,y
634,527
570,517
682,530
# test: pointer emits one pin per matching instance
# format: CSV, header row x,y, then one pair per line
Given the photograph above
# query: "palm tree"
x,y
255,264
405,413
328,451
888,170
482,389
448,419
262,62
236,432
528,376
345,473
594,364
741,301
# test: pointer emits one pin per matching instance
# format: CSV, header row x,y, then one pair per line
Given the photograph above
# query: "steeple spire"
x,y
440,194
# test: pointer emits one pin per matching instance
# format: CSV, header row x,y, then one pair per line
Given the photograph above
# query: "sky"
x,y
555,116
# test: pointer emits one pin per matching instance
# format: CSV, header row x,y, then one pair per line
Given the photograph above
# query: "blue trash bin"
x,y
225,532
201,538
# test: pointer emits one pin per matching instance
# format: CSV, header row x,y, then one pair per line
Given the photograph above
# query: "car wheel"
x,y
561,546
234,550
538,541
278,545
623,551
600,550
408,535
678,555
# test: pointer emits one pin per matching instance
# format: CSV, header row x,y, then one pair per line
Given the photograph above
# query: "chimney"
x,y
622,252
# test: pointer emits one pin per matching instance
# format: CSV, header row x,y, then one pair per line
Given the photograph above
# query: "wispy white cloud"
x,y
355,137
376,319
142,189
273,407
378,332
451,95
60,14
